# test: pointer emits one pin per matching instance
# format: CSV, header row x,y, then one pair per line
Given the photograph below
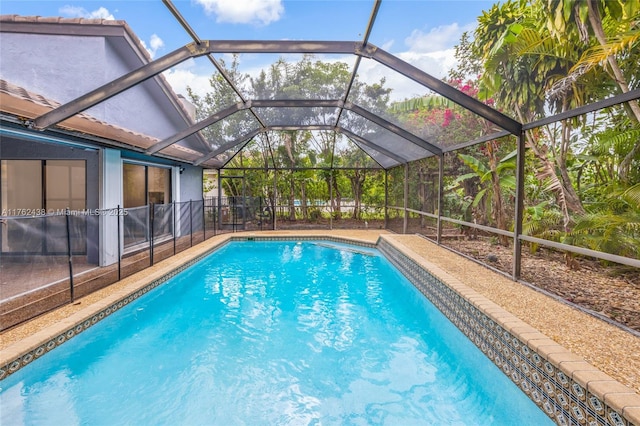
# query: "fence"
x,y
49,260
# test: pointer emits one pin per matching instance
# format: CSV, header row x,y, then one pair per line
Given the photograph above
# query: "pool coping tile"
x,y
632,413
620,398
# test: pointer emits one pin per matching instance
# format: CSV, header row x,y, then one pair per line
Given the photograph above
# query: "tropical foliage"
x,y
315,166
530,60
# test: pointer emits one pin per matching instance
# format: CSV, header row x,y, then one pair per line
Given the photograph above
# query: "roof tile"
x,y
29,105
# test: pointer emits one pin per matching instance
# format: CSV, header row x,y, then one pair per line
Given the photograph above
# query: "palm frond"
x,y
618,141
474,164
598,54
530,42
632,195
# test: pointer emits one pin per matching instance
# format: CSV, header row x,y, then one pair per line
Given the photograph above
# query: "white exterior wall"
x,y
60,68
110,198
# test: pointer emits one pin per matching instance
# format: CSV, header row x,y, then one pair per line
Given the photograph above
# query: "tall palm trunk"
x,y
565,194
596,24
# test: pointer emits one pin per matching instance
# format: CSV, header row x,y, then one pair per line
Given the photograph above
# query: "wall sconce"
x,y
181,169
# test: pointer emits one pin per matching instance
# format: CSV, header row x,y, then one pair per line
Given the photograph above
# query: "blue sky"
x,y
422,32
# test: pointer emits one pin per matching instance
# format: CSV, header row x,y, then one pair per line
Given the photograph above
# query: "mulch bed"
x,y
609,290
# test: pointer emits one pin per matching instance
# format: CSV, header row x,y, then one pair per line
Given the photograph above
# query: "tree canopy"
x,y
527,59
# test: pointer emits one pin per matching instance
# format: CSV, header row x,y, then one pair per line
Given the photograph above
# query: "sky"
x,y
421,32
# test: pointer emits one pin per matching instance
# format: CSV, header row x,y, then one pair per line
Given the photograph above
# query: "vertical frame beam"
x,y
386,198
244,201
69,256
204,221
275,197
440,197
151,218
191,223
173,209
218,212
331,200
519,209
405,222
120,217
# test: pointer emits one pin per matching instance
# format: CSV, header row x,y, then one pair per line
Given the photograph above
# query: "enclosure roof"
x,y
244,118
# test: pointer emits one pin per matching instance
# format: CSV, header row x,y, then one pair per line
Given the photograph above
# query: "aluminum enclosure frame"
x,y
360,49
207,47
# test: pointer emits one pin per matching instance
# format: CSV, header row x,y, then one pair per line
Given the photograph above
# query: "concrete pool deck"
x,y
590,341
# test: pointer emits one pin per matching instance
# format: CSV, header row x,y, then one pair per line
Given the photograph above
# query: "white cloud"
x,y
431,52
388,45
184,75
371,72
440,38
81,12
260,12
155,43
437,63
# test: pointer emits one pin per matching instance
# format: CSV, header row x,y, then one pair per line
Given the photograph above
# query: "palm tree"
x,y
612,226
497,181
614,23
520,62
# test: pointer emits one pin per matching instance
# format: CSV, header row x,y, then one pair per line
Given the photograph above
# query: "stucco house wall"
x,y
62,68
51,61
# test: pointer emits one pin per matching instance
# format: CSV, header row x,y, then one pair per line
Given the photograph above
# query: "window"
x,y
144,185
134,185
21,186
65,185
159,185
31,187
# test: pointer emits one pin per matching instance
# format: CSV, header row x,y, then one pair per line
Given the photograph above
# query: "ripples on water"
x,y
270,333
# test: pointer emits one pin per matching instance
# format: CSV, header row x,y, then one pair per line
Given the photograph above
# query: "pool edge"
x,y
23,352
614,403
566,387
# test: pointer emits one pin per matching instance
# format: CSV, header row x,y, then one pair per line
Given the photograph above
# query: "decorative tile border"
x,y
305,238
563,399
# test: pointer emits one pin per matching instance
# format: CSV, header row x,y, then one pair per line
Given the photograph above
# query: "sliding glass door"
x,y
32,188
145,185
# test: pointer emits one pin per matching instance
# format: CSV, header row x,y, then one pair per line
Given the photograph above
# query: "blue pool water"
x,y
270,333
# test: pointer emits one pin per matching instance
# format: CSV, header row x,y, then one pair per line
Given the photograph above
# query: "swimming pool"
x,y
271,333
